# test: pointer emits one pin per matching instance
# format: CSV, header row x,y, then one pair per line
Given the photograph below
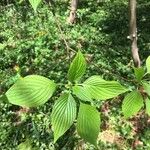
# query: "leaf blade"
x,y
25,145
35,4
147,106
88,123
139,73
77,67
148,64
102,89
146,87
63,115
31,91
82,93
132,103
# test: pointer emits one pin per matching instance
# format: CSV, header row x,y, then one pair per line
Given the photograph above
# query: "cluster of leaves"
x,y
136,99
32,42
34,90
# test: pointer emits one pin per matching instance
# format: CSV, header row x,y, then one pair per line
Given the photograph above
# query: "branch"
x,y
133,33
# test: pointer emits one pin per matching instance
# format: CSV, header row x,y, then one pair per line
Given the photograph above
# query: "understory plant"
x,y
75,104
140,96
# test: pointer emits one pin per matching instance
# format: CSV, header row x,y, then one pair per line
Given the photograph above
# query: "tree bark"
x,y
73,12
133,33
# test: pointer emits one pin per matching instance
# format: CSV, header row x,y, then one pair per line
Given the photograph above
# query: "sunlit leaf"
x,y
148,64
82,93
102,89
139,73
63,115
147,102
31,91
25,145
146,86
132,103
77,67
35,4
88,123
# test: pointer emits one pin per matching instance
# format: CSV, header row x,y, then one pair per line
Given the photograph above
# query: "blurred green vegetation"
x,y
33,43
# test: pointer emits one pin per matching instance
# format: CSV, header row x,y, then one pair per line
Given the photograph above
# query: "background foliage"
x,y
31,43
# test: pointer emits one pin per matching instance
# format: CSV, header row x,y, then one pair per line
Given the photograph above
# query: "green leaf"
x,y
147,106
82,93
35,4
139,73
63,115
146,87
132,103
88,123
148,64
25,145
77,67
31,91
102,89
2,46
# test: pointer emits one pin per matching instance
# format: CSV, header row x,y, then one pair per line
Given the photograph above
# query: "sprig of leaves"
x,y
135,100
35,90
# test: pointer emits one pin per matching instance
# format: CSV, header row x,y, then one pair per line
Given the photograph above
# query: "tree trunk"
x,y
73,12
133,33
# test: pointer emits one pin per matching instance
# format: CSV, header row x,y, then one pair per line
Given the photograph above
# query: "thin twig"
x,y
63,37
51,4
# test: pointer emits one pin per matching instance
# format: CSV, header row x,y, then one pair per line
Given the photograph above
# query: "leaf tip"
x,y
55,140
